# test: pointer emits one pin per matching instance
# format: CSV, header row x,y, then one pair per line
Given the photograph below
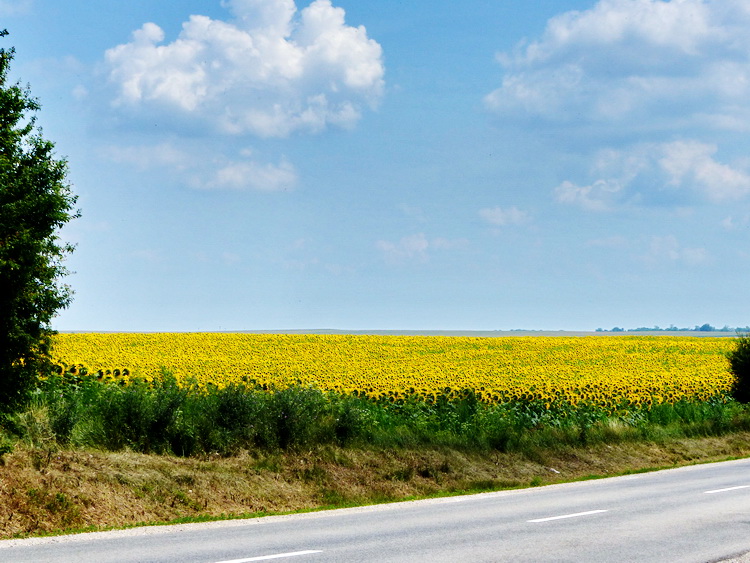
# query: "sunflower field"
x,y
604,371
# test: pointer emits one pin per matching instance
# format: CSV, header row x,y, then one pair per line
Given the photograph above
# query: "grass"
x,y
167,418
87,490
88,455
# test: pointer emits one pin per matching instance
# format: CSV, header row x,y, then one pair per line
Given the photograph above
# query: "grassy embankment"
x,y
88,455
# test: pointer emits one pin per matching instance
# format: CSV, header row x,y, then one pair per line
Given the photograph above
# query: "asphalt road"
x,y
692,514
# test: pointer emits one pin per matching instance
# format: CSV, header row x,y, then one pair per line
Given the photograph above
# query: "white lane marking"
x,y
275,556
576,515
726,490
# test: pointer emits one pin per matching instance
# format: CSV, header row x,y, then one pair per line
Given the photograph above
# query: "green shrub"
x,y
229,419
353,419
295,416
164,417
140,416
739,365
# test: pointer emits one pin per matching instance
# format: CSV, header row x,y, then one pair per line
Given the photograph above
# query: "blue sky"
x,y
261,164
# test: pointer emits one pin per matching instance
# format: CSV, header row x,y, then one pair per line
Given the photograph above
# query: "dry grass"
x,y
45,491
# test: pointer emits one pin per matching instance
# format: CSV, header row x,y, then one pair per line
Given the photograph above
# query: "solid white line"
x,y
726,490
576,515
275,556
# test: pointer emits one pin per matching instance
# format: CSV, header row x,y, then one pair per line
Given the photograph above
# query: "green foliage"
x,y
35,201
6,447
293,414
139,416
739,365
164,417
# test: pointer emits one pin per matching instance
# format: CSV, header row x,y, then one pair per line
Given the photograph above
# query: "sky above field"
x,y
349,164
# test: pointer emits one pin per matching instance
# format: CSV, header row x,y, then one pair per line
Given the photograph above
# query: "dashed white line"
x,y
576,515
726,490
274,556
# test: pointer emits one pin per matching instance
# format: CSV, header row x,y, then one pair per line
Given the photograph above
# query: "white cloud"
x,y
15,7
206,171
151,156
250,175
657,171
440,243
612,242
692,163
416,248
732,222
269,72
654,250
230,258
261,16
413,247
597,196
499,217
627,65
80,92
667,249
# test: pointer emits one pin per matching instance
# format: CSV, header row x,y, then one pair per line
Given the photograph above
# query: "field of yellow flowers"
x,y
598,370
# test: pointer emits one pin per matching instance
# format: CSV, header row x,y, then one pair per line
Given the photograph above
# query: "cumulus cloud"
x,y
269,71
499,217
692,163
634,65
408,248
416,248
593,197
667,249
201,171
250,175
676,170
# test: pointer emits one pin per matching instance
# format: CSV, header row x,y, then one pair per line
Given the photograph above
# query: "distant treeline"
x,y
671,328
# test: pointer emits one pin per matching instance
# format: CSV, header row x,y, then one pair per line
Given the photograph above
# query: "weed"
x,y
313,474
271,463
6,447
333,497
186,420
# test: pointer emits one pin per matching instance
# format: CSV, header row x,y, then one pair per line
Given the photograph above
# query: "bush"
x,y
353,419
295,416
167,417
739,365
233,418
139,416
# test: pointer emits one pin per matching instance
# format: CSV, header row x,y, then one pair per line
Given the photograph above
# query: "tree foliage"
x,y
739,365
35,202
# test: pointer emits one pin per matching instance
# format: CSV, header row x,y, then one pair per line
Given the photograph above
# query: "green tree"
x,y
35,202
739,365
